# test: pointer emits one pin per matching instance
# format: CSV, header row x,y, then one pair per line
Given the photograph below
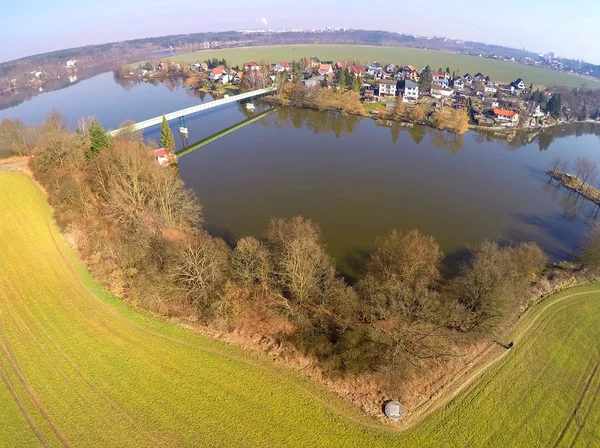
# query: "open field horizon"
x,y
499,71
79,367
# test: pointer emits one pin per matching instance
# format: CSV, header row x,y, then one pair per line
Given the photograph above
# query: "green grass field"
x,y
499,71
80,368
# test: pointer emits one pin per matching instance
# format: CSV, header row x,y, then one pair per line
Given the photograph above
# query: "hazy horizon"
x,y
535,26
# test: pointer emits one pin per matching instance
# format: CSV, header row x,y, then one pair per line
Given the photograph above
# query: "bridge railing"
x,y
199,108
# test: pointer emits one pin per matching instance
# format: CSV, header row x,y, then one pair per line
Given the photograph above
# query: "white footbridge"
x,y
194,109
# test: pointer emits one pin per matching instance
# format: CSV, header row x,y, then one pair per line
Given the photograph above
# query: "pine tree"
x,y
448,70
99,139
349,80
167,140
426,78
341,78
356,84
554,106
296,72
583,114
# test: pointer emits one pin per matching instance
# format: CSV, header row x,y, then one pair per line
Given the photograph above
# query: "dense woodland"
x,y
140,233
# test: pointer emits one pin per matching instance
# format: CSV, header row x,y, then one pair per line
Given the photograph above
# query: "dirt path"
x,y
451,392
11,166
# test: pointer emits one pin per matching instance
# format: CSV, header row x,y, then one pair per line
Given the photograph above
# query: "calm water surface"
x,y
353,176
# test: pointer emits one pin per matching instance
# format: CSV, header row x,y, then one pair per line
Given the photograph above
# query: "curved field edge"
x,y
499,71
88,370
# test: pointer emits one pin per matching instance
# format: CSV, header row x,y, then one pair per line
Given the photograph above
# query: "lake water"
x,y
355,177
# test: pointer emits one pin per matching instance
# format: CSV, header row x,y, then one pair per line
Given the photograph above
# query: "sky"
x,y
566,27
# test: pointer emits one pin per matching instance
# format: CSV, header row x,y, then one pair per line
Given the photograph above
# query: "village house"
x,y
506,117
439,92
251,66
411,91
356,70
536,111
163,156
374,69
409,72
490,87
390,68
459,83
283,67
338,66
440,78
492,103
71,63
468,79
218,74
479,77
369,95
387,87
315,81
325,69
519,84
315,62
204,66
238,77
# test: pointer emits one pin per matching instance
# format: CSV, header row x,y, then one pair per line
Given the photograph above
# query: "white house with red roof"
x,y
163,156
325,69
506,117
283,67
251,66
218,74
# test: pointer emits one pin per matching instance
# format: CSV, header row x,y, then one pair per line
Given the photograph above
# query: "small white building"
x,y
411,91
439,92
459,83
490,87
71,63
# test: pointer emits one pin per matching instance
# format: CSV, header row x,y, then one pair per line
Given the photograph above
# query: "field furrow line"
x,y
5,346
577,405
94,387
9,386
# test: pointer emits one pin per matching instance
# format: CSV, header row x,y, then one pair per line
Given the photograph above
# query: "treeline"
x,y
296,95
140,232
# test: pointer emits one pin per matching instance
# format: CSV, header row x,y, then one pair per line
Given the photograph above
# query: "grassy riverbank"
x,y
80,368
499,71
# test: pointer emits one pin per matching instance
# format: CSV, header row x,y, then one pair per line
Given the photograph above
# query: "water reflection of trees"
x,y
339,124
317,121
572,203
171,83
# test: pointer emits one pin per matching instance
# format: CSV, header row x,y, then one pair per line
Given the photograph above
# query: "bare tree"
x,y
556,163
250,264
301,265
202,270
585,170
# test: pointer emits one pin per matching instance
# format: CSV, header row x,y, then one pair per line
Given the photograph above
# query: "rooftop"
x,y
506,113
